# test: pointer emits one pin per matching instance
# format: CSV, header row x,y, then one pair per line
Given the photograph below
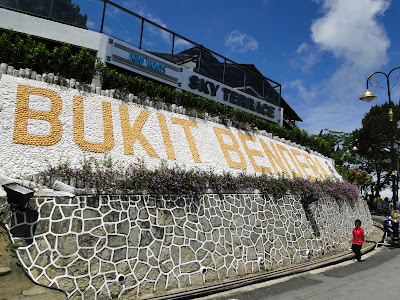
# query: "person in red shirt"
x,y
357,240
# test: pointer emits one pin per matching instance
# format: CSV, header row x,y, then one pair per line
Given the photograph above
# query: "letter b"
x,y
23,114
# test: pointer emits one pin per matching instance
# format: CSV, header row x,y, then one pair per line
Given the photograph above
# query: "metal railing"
x,y
112,19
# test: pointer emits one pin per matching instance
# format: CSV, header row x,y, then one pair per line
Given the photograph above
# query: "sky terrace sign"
x,y
231,96
134,59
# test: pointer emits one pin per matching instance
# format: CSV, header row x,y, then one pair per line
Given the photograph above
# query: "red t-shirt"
x,y
358,236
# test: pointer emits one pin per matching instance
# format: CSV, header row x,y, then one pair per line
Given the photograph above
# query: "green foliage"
x,y
2,212
12,248
63,60
373,141
359,178
340,144
22,51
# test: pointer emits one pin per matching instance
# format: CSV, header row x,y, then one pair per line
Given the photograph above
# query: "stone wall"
x,y
116,246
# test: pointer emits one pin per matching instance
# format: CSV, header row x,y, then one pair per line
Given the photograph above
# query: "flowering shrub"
x,y
359,178
108,178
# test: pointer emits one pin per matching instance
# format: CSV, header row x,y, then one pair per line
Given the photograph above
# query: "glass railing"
x,y
111,18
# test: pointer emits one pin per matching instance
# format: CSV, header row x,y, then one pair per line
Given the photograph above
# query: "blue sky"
x,y
321,51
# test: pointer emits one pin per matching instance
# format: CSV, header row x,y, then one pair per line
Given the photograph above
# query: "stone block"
x,y
67,244
115,241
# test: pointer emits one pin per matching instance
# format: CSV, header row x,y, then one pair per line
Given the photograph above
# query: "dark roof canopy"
x,y
254,83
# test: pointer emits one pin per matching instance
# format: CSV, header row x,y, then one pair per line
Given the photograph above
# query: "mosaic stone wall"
x,y
124,246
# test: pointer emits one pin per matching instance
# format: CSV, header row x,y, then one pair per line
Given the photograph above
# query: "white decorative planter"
x,y
21,72
10,70
3,68
28,73
38,77
72,82
51,78
33,75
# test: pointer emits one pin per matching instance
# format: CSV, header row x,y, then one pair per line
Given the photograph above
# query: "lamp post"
x,y
368,96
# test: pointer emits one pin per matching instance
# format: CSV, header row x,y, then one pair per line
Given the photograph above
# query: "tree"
x,y
359,178
341,144
60,10
373,142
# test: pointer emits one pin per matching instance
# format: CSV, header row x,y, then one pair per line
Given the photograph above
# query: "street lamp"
x,y
355,148
368,96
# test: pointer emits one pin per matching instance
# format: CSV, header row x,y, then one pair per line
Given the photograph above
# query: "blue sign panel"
x,y
147,62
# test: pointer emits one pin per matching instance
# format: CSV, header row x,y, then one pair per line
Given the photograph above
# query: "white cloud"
x,y
181,44
112,11
351,34
307,57
303,47
107,29
90,24
350,30
138,8
305,94
240,42
134,6
332,115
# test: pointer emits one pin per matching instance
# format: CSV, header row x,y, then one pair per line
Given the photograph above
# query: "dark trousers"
x,y
357,251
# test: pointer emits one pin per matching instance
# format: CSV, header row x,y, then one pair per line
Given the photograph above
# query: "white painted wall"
x,y
19,160
54,31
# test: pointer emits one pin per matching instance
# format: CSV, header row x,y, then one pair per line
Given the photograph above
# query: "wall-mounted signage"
x,y
152,66
142,62
147,62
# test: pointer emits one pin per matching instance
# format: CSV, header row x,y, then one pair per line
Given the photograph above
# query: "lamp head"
x,y
368,96
395,216
390,115
354,149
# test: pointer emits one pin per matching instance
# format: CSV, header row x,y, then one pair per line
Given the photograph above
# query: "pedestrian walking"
x,y
379,203
357,240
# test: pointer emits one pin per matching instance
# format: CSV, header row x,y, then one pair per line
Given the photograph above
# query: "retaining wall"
x,y
130,245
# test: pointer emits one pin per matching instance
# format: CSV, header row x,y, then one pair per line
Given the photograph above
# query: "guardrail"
x,y
110,18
